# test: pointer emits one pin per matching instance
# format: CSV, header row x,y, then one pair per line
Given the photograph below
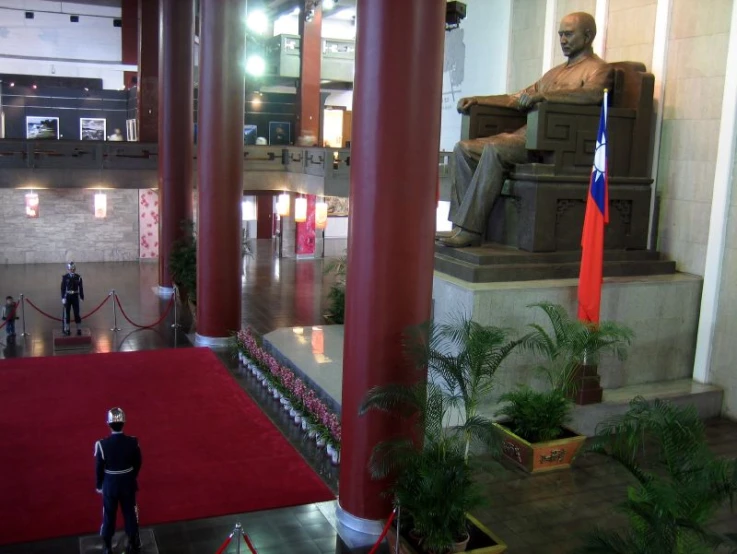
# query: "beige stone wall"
x,y
630,30
724,350
526,44
696,65
563,8
66,228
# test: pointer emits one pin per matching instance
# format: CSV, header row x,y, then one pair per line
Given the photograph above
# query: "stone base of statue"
x,y
493,263
542,212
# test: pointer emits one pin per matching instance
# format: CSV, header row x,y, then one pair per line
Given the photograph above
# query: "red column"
x,y
396,130
220,169
129,31
148,71
129,37
176,128
308,90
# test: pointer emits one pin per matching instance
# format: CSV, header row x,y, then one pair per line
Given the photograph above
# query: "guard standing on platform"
x,y
72,291
117,463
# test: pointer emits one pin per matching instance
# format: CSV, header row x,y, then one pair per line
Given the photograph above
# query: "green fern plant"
x,y
676,494
433,474
573,343
536,416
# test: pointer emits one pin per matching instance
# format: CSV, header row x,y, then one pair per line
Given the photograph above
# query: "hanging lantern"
x,y
300,210
282,205
321,215
31,204
100,205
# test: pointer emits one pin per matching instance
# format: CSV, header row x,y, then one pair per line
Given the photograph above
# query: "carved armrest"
x,y
564,135
486,121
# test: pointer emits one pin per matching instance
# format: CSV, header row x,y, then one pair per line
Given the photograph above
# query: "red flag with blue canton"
x,y
592,241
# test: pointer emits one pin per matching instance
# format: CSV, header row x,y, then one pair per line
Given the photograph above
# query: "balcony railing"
x,y
332,164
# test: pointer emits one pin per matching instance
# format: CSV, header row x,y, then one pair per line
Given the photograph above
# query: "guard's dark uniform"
x,y
72,290
118,461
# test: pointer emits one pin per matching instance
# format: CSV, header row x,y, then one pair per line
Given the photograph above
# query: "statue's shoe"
x,y
447,234
462,239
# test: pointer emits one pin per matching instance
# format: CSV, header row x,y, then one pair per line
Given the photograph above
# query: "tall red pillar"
x,y
308,90
148,71
220,169
176,127
129,37
394,171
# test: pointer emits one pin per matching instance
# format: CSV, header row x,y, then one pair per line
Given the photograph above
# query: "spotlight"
x,y
328,5
257,22
255,65
12,84
34,86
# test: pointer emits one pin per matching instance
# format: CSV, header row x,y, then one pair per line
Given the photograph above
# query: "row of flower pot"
x,y
299,418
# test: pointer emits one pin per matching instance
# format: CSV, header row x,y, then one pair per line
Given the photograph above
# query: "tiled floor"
x,y
545,513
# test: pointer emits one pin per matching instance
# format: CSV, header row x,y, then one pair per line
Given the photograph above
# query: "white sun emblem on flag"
x,y
600,159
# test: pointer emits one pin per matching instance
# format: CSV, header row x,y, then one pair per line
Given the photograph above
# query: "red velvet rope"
x,y
39,310
98,307
224,545
384,532
11,316
248,542
154,324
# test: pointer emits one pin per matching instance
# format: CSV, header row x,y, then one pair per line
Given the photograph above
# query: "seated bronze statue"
x,y
479,165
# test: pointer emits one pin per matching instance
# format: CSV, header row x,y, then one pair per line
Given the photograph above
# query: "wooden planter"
x,y
540,456
482,540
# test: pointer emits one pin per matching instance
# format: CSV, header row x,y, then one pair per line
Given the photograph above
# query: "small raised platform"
x,y
62,342
316,354
492,263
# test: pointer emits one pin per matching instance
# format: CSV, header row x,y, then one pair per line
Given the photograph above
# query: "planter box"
x,y
540,456
482,541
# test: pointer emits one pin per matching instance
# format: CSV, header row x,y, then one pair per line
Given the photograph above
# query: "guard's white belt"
x,y
121,472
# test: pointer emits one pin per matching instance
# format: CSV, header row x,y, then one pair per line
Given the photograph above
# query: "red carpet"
x,y
207,448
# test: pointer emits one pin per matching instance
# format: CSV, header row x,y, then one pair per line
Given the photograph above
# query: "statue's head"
x,y
576,32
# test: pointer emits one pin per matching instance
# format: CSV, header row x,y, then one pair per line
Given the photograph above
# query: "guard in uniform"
x,y
117,463
72,291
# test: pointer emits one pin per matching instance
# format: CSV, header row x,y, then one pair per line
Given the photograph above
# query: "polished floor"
x,y
533,515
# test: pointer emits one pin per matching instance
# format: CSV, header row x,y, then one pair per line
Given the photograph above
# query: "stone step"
x,y
529,271
681,392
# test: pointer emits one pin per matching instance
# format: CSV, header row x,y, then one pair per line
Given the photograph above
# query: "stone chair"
x,y
543,201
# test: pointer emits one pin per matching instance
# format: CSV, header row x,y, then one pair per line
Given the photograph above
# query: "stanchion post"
x,y
239,535
115,327
175,325
23,315
399,513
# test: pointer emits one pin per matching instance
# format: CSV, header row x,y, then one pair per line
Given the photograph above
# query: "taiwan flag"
x,y
592,241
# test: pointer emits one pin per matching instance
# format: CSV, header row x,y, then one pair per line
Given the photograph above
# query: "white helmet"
x,y
115,415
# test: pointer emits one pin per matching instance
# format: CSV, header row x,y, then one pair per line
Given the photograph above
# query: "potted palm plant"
x,y
678,488
336,296
433,476
534,422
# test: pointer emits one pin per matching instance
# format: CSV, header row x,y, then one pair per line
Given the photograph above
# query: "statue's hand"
x,y
465,103
527,101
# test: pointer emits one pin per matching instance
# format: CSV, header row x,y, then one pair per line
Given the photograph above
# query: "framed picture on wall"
x,y
280,132
131,130
42,128
92,128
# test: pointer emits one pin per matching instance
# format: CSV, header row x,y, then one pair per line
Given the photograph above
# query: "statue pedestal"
x,y
662,311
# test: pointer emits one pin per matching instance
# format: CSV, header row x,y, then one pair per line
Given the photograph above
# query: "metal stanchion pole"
x,y
239,535
23,315
396,547
175,325
115,314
